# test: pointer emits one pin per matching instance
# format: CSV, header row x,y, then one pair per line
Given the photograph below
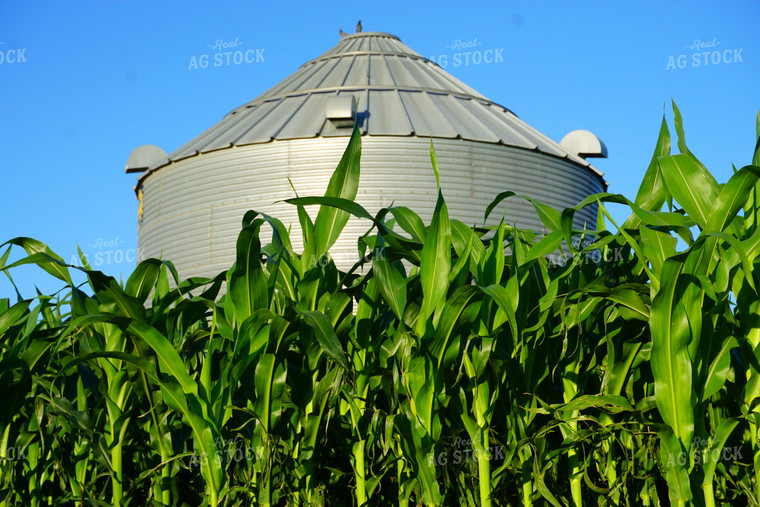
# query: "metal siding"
x,y
193,209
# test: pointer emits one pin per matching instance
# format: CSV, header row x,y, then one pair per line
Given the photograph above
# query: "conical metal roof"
x,y
398,92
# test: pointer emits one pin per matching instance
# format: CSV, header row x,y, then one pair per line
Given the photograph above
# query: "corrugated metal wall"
x,y
192,209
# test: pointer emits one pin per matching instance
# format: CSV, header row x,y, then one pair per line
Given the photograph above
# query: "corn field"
x,y
452,365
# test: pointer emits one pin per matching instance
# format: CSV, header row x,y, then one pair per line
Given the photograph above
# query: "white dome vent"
x,y
144,157
584,144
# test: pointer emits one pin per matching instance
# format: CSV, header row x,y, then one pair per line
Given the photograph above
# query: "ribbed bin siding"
x,y
193,208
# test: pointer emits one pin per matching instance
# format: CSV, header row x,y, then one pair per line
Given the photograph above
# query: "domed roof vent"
x,y
144,157
584,144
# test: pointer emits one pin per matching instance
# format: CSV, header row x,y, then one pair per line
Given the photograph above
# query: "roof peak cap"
x,y
370,34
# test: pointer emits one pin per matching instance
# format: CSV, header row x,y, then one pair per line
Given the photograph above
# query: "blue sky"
x,y
91,81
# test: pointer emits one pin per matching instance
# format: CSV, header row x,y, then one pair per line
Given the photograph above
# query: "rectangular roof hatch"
x,y
341,111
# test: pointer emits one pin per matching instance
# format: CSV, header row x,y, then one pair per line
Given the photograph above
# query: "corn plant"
x,y
453,364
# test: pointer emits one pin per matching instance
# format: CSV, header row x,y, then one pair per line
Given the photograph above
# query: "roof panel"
x,y
379,74
467,123
402,76
237,124
312,112
388,115
426,119
269,127
358,74
319,73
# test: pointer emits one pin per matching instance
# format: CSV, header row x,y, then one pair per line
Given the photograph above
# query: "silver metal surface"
x,y
143,157
193,209
584,144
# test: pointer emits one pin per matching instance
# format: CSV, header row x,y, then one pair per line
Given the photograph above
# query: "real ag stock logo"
x,y
14,454
705,53
461,452
704,450
11,55
226,54
227,451
467,54
107,251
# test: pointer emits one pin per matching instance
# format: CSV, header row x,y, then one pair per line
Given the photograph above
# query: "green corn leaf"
x,y
269,379
247,281
691,185
507,299
451,312
434,161
35,350
756,154
538,476
4,257
716,375
496,201
657,246
409,221
675,461
549,216
392,286
493,262
343,184
463,237
169,360
333,202
435,264
108,292
44,258
631,300
652,193
671,363
611,403
280,235
307,226
143,279
548,244
460,271
176,396
668,220
326,336
13,314
738,250
711,458
732,197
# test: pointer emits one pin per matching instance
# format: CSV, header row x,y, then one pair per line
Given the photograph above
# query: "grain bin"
x,y
192,200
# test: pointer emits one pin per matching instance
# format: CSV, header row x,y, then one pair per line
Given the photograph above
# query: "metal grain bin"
x,y
193,200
